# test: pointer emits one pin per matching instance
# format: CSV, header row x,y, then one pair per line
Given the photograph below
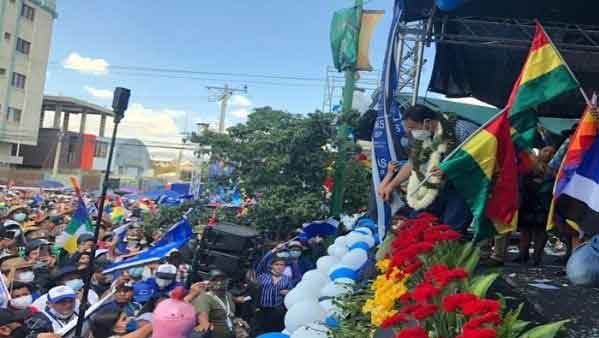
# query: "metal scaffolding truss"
x,y
410,58
512,33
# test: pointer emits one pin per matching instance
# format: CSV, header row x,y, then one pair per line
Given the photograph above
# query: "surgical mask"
x,y
132,325
136,273
132,244
162,283
25,277
283,254
295,253
421,134
22,302
75,284
20,217
62,316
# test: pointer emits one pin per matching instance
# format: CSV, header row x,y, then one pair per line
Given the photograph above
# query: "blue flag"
x,y
388,121
175,238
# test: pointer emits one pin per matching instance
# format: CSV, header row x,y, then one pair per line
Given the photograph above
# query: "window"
x,y
7,36
23,46
101,149
2,71
14,115
18,80
28,12
14,150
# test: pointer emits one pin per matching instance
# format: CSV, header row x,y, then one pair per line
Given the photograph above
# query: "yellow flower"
x,y
383,265
387,290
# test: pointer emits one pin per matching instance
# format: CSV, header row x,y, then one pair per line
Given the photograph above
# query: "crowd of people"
x,y
44,282
428,131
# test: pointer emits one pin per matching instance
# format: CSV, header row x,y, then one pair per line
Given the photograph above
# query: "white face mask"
x,y
21,303
75,284
163,282
25,277
421,134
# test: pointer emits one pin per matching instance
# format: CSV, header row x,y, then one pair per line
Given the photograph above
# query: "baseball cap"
x,y
10,316
60,293
166,271
142,292
84,238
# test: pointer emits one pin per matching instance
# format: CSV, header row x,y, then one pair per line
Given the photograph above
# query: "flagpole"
x,y
456,149
584,95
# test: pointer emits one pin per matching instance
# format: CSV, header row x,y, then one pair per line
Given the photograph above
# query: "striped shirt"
x,y
270,293
463,130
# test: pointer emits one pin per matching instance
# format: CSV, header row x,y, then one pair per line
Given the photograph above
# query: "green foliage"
x,y
357,187
480,285
545,331
354,324
282,160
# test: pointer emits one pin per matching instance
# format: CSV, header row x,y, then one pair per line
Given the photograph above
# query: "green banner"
x,y
345,35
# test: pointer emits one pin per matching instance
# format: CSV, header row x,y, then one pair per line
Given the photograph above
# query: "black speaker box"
x,y
120,101
230,238
233,266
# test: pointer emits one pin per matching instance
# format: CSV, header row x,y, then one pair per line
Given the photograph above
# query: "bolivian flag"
x,y
544,77
80,224
485,173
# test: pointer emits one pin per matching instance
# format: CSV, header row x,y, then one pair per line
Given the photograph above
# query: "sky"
x,y
97,45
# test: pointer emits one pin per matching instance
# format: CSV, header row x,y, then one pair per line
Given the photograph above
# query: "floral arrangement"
x,y
426,289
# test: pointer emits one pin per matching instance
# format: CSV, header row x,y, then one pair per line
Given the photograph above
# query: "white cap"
x,y
60,293
166,271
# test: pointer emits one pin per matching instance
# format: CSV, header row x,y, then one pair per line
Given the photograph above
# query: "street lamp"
x,y
119,106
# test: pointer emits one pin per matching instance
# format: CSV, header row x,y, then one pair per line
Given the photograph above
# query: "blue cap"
x,y
142,292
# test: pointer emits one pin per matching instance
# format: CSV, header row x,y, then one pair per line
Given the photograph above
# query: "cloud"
x,y
86,65
98,93
240,106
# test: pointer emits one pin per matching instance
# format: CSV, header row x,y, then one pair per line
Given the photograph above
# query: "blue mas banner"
x,y
175,238
388,121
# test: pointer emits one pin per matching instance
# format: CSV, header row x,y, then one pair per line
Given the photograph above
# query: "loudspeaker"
x,y
120,101
233,266
230,238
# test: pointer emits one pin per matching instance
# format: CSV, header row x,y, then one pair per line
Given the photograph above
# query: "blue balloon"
x,y
331,322
343,273
273,335
360,245
362,232
583,265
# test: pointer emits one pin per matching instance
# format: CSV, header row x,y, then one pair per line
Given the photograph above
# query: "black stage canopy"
x,y
481,47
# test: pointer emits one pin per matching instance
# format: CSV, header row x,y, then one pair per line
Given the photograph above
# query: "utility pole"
x,y
224,100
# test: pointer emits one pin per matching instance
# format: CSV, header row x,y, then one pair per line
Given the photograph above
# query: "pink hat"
x,y
173,318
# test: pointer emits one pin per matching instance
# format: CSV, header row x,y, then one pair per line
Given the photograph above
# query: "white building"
x,y
25,34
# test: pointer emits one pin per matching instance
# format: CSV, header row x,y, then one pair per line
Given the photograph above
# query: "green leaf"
x,y
545,331
520,325
472,261
481,284
467,250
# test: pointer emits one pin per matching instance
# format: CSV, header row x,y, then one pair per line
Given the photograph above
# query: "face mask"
x,y
219,286
132,325
136,273
75,284
26,276
132,244
60,315
20,217
421,134
283,254
21,303
295,253
19,332
162,283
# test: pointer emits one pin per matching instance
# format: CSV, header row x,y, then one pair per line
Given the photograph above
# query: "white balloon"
x,y
335,290
337,266
364,229
355,259
325,263
311,331
303,313
345,281
357,237
286,332
310,288
341,240
293,297
337,250
318,275
330,308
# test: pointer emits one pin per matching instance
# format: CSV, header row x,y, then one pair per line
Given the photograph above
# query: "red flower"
x,y
413,267
423,247
425,216
452,302
477,322
442,275
394,321
410,309
425,311
479,333
424,292
480,307
405,299
413,332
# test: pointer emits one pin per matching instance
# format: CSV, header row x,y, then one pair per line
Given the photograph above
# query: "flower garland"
x,y
429,152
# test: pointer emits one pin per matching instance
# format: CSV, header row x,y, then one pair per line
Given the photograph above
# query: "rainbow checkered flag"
x,y
80,224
